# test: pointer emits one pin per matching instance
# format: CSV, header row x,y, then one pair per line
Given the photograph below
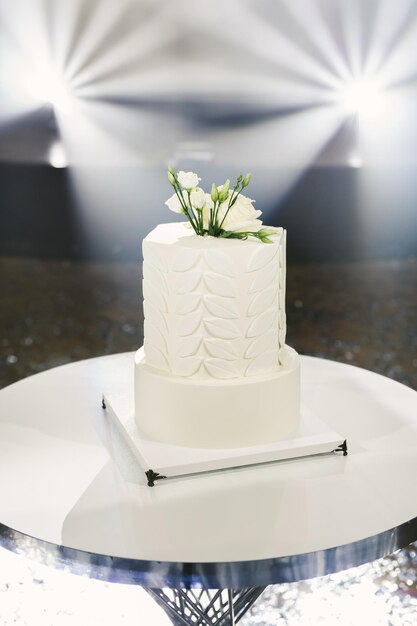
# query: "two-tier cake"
x,y
214,371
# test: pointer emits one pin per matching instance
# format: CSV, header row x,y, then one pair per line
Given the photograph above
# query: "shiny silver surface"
x,y
236,575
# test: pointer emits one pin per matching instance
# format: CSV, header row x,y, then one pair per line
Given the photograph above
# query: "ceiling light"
x,y
360,97
57,156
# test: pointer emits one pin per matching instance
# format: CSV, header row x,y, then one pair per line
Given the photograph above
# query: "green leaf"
x,y
231,234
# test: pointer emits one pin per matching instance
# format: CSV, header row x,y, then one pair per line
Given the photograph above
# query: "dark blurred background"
x,y
317,98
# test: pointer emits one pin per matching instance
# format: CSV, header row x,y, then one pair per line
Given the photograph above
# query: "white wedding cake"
x,y
214,371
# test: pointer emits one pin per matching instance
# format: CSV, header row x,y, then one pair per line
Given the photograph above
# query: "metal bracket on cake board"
x,y
152,456
342,448
153,476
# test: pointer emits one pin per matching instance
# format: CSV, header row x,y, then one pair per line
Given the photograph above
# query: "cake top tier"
x,y
214,307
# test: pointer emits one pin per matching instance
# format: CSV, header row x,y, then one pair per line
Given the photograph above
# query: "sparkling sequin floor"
x,y
55,312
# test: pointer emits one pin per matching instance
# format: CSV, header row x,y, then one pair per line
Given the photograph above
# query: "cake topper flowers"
x,y
224,212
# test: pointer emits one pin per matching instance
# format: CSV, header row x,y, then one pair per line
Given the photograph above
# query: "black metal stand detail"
x,y
152,476
205,607
342,448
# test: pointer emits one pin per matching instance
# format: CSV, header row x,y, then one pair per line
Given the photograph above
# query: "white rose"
x,y
174,204
242,216
198,198
188,180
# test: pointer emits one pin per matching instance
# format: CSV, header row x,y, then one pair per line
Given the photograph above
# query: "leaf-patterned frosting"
x,y
220,262
155,337
218,368
266,278
221,349
220,285
188,303
263,322
154,297
260,344
156,278
156,358
185,260
214,309
263,300
189,323
261,257
189,345
226,308
221,328
187,366
263,363
186,282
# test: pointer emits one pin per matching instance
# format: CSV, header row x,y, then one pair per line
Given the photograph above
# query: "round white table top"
x,y
70,493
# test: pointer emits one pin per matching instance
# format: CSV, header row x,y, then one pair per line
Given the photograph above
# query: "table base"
x,y
205,607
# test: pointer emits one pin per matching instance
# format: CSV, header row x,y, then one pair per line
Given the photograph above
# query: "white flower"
x,y
211,212
188,180
198,198
174,204
242,216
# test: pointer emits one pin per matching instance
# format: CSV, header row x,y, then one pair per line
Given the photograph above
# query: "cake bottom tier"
x,y
218,414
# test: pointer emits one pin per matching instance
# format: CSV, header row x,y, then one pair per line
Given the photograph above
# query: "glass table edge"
x,y
210,575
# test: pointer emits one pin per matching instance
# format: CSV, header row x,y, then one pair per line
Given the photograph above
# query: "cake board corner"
x,y
159,461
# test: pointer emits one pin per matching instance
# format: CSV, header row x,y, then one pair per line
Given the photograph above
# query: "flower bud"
x,y
223,196
171,177
245,181
224,191
214,193
170,169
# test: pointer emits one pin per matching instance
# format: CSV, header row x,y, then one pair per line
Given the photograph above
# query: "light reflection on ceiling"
x,y
266,85
139,78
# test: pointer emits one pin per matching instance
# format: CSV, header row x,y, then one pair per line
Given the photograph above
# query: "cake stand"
x,y
204,546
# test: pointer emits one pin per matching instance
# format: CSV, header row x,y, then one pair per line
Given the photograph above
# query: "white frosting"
x,y
214,308
214,370
218,413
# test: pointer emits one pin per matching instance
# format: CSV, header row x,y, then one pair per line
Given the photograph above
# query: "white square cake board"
x,y
168,461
